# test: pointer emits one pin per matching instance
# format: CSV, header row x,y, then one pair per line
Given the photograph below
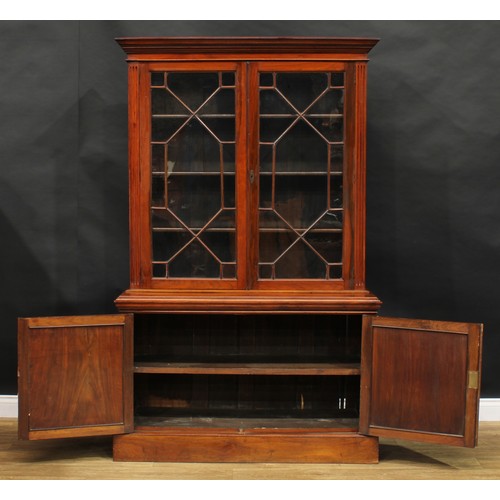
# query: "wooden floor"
x,y
91,458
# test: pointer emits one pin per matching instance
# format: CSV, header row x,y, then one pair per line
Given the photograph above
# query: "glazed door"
x,y
188,176
75,376
305,119
420,380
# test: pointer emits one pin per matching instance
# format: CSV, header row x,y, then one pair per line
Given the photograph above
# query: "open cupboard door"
x,y
420,380
75,376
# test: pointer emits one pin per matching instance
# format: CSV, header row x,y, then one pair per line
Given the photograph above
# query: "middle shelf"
x,y
248,368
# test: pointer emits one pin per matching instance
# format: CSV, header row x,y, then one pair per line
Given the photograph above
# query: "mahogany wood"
x,y
433,399
359,176
247,129
134,175
235,391
248,301
249,368
245,445
71,380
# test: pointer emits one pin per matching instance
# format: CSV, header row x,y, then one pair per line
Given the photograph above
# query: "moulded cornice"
x,y
246,45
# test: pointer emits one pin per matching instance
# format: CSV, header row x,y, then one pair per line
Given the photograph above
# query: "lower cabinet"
x,y
249,387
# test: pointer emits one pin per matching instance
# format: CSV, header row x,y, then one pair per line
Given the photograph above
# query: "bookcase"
x,y
247,333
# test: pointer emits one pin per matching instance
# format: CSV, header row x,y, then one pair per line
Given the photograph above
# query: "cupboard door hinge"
x,y
473,380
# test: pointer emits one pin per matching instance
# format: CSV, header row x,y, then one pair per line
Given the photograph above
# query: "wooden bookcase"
x,y
247,333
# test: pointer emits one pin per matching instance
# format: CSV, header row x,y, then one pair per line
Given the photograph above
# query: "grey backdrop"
x,y
433,235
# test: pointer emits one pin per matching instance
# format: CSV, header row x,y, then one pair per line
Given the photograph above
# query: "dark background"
x,y
433,214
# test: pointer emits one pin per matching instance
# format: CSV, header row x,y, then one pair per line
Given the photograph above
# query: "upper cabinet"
x,y
247,166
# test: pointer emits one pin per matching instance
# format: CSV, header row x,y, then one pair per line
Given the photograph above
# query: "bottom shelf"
x,y
160,422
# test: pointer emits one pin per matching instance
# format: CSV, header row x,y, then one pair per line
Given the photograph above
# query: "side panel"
x,y
420,380
75,376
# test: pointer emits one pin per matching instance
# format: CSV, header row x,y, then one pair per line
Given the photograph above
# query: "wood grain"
x,y
154,48
74,374
247,301
324,369
245,447
414,380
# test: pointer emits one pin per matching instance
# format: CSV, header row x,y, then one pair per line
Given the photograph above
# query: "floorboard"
x,y
91,458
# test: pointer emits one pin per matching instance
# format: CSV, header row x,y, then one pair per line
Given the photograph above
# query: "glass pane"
x,y
266,79
159,271
193,89
164,127
266,158
224,220
228,158
301,200
265,192
271,102
335,272
330,103
336,192
327,244
158,191
228,79
300,262
167,243
194,262
163,218
221,243
164,102
195,199
331,128
271,129
337,158
229,200
158,158
301,89
337,79
228,271
269,219
274,243
221,127
302,149
265,271
222,103
157,79
331,220
194,149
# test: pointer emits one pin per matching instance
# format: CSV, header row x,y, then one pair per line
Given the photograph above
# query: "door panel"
x,y
420,380
75,376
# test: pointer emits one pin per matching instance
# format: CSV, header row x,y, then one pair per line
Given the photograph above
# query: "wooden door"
x,y
75,376
420,380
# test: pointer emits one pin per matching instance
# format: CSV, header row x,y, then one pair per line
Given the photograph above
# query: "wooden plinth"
x,y
246,446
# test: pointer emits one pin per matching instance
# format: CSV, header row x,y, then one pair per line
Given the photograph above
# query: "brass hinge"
x,y
472,380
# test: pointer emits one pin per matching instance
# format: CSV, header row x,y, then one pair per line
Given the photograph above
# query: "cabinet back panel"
x,y
221,395
264,338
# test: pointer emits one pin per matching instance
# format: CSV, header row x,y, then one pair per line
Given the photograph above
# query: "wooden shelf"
x,y
323,369
161,422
